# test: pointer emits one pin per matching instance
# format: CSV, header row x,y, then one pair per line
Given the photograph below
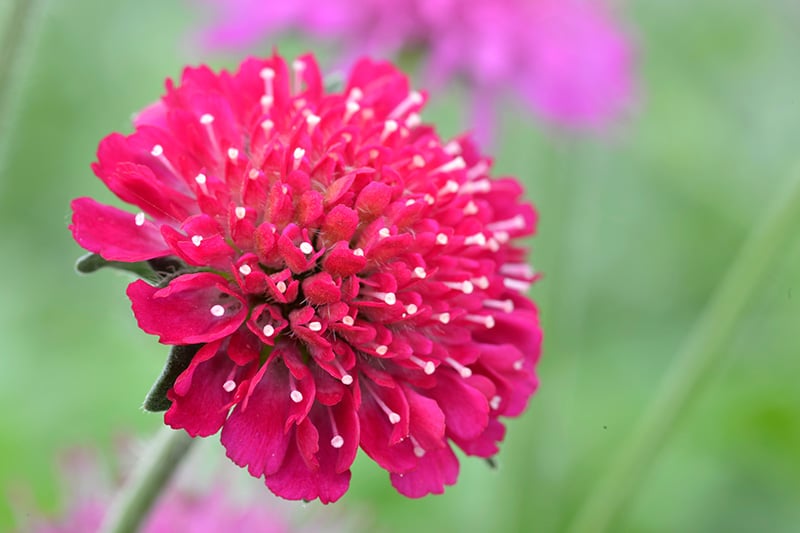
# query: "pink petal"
x,y
115,234
193,308
436,469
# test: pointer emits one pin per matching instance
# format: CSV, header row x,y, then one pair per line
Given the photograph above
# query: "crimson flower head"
x,y
330,272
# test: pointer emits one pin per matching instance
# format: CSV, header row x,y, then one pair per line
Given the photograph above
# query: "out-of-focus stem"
x,y
132,505
693,365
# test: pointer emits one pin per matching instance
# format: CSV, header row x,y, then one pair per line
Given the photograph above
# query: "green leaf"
x,y
178,361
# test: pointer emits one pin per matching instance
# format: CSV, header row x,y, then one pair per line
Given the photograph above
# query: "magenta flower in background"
x,y
343,276
568,60
187,506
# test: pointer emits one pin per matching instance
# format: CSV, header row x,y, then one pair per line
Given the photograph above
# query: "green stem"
x,y
151,476
694,364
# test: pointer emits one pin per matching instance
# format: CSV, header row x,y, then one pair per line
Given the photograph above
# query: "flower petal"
x,y
115,234
193,308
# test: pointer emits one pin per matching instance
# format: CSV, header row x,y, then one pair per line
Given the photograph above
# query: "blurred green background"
x,y
636,231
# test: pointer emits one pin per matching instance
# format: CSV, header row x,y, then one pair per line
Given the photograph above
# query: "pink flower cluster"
x,y
350,279
567,59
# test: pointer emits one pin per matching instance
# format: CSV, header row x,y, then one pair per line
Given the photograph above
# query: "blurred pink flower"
x,y
187,505
568,60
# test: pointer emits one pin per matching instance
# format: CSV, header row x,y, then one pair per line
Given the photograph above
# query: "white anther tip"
x,y
267,73
139,219
298,153
206,119
390,298
217,310
245,270
420,272
240,212
394,418
429,368
229,385
306,247
348,321
157,150
347,379
382,349
337,441
296,396
197,239
233,154
268,330
315,326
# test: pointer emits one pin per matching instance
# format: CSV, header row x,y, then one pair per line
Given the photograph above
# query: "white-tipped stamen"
x,y
518,364
233,154
200,179
315,326
267,125
479,239
485,320
298,155
347,379
453,148
312,120
462,370
389,127
419,451
229,385
337,441
268,330
519,270
389,298
306,247
413,98
429,199
410,202
411,309
517,285
351,108
427,366
217,310
515,222
253,173
381,349
482,282
442,239
157,151
413,121
359,252
494,403
502,305
472,187
285,189
452,165
197,240
450,187
296,396
480,169
281,286
384,232
418,161
444,318
394,418
139,219
240,212
420,273
471,208
492,244
245,270
502,236
348,321
464,286
355,94
206,119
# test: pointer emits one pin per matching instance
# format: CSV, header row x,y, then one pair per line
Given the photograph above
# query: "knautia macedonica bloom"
x,y
569,60
340,275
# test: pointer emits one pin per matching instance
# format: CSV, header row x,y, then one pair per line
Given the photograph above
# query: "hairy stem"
x,y
151,476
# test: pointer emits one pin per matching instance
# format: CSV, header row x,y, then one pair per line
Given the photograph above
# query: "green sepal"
x,y
492,462
178,361
93,262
